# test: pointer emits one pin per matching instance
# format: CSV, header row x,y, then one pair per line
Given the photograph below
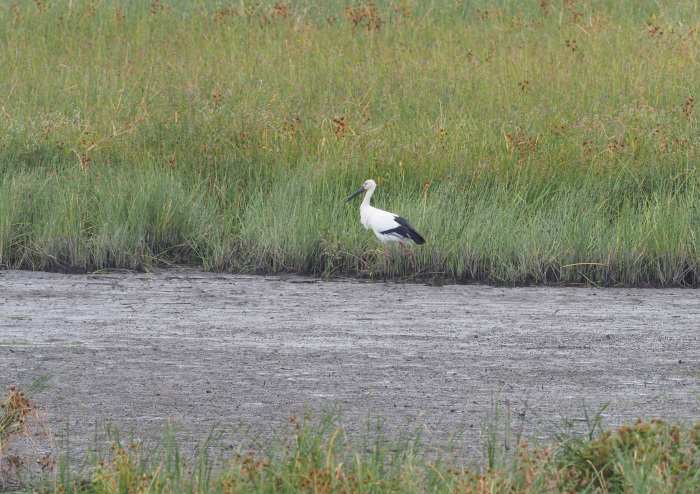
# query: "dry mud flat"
x,y
200,348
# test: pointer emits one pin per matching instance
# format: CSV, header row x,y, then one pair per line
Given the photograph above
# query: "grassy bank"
x,y
320,455
546,142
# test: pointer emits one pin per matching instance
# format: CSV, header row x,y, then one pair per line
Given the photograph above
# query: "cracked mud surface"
x,y
202,348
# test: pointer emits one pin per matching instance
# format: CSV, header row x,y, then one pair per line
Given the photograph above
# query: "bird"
x,y
388,227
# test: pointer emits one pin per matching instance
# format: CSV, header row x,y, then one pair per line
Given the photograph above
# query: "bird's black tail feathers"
x,y
415,236
408,231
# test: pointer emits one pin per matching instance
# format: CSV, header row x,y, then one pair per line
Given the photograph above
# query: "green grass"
x,y
323,455
527,141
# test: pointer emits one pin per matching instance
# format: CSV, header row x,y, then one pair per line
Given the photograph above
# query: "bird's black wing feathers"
x,y
405,230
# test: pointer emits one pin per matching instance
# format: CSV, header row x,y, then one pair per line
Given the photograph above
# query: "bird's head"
x,y
369,184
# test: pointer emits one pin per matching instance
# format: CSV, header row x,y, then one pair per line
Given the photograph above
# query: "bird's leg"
x,y
384,245
410,256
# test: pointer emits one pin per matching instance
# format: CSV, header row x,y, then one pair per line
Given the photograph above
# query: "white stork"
x,y
388,227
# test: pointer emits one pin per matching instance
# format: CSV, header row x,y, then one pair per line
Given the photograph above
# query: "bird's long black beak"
x,y
359,191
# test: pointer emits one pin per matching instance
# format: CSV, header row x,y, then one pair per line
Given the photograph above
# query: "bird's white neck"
x,y
368,195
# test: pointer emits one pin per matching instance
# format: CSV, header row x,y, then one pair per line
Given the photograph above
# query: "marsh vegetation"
x,y
552,141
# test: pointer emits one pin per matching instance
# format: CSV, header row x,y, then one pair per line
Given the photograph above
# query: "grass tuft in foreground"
x,y
319,455
25,435
645,457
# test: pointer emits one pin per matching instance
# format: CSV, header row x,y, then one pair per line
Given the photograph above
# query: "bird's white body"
x,y
379,221
388,227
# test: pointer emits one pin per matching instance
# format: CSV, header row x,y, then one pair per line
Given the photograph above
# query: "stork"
x,y
388,227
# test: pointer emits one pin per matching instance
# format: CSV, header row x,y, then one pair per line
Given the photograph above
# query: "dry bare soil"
x,y
202,348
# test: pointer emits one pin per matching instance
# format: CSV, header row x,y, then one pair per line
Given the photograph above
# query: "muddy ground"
x,y
200,348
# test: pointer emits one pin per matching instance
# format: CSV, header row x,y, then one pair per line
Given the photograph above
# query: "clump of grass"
x,y
649,456
320,456
25,436
544,142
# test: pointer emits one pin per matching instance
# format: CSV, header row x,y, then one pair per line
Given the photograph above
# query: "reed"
x,y
545,142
